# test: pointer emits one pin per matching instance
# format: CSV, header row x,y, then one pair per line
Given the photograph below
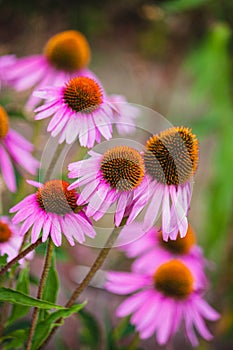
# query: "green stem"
x,y
21,255
40,291
94,268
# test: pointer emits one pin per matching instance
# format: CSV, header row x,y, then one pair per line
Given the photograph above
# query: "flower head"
x,y
14,148
53,210
117,176
65,55
163,300
171,160
10,239
78,108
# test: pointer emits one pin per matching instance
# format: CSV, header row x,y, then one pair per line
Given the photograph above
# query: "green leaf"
x,y
52,284
19,311
15,297
123,329
110,341
175,6
3,260
15,340
90,334
44,327
61,254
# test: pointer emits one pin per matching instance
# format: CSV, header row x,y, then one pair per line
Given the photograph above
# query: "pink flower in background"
x,y
163,301
171,160
10,239
14,149
5,64
65,56
151,249
53,210
117,176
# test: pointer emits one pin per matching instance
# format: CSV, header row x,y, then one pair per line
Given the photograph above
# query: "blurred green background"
x,y
176,58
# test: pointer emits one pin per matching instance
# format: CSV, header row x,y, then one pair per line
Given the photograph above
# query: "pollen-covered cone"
x,y
171,160
115,177
53,211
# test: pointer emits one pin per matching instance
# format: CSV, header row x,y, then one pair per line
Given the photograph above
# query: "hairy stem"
x,y
21,255
44,275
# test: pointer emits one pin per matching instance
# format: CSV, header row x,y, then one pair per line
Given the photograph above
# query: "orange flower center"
x,y
122,168
83,94
68,51
171,157
54,197
180,245
5,232
4,124
174,279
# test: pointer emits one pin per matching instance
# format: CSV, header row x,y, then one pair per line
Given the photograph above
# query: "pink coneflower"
x,y
53,210
5,64
14,148
117,176
151,247
65,55
78,108
162,301
10,239
171,160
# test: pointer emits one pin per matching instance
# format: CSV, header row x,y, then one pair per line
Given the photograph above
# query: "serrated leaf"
x,y
15,297
90,334
22,285
44,327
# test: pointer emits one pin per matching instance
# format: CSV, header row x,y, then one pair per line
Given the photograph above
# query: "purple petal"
x,y
7,170
124,283
131,304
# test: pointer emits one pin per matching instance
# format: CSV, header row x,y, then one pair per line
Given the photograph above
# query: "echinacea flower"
x,y
163,301
171,160
79,108
5,64
117,176
151,249
65,55
53,210
15,149
10,239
